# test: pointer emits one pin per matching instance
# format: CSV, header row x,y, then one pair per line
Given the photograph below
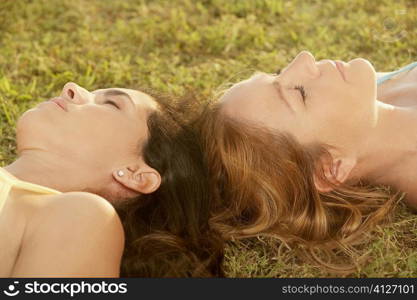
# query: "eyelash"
x,y
302,91
297,87
112,103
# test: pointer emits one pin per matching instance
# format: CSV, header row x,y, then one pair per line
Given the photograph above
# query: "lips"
x,y
61,102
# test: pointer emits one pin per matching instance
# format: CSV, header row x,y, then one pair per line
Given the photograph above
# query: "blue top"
x,y
391,74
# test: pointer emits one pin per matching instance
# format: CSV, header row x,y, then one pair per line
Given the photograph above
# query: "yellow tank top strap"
x,y
6,177
4,191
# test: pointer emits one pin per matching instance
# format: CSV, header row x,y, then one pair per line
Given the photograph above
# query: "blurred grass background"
x,y
182,45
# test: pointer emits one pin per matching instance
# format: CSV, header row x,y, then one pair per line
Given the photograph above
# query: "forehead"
x,y
256,100
244,87
141,99
249,96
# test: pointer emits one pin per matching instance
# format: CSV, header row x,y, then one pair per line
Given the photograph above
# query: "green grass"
x,y
177,46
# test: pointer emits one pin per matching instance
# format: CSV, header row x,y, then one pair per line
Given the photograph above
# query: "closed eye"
x,y
112,103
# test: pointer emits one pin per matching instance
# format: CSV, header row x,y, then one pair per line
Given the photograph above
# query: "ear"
x,y
141,178
335,170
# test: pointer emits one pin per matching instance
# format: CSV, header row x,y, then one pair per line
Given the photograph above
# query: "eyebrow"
x,y
278,88
119,93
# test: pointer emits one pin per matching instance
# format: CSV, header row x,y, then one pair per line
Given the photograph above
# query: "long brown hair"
x,y
262,184
167,231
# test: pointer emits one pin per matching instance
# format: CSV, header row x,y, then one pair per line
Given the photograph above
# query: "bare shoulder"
x,y
91,212
35,205
71,207
72,234
85,203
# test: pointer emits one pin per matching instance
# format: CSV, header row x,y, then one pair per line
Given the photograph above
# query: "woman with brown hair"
x,y
314,156
106,183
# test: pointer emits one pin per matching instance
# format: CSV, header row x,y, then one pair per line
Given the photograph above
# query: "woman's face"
x,y
337,107
99,129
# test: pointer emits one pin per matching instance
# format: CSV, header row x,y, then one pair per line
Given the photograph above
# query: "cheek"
x,y
78,137
99,147
335,114
339,122
103,137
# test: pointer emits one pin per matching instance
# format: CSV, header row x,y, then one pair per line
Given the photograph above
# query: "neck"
x,y
43,168
388,153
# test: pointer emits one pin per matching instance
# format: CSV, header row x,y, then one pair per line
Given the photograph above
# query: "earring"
x,y
120,173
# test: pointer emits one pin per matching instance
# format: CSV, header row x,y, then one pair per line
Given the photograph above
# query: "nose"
x,y
75,93
306,62
307,55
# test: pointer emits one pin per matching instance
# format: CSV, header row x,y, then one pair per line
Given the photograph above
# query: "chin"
x,y
31,131
364,76
364,66
28,121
